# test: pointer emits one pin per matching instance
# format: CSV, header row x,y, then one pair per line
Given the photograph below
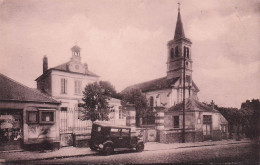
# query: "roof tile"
x,y
10,90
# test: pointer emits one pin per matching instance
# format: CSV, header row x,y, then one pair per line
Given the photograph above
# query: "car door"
x,y
115,136
124,138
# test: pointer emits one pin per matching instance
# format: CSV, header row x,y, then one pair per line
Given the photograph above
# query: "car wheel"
x,y
93,148
108,150
140,147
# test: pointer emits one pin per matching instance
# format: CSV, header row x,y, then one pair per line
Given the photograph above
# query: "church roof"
x,y
10,90
179,31
156,84
192,104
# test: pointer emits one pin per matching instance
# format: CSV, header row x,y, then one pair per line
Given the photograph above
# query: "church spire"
x,y
179,32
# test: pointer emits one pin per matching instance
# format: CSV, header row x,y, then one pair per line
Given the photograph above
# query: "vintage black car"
x,y
106,137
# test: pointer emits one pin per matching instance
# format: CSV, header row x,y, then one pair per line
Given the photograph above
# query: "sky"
x,y
125,41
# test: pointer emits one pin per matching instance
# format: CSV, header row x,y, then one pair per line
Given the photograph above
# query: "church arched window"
x,y
172,52
151,101
188,52
176,51
184,52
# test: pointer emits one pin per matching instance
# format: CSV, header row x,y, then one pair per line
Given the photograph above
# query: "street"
x,y
233,154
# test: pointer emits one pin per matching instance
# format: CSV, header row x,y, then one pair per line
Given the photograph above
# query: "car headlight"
x,y
100,146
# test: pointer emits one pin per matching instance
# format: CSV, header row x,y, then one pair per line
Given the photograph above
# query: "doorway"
x,y
207,127
11,129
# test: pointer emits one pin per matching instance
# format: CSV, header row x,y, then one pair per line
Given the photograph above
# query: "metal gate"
x,y
71,124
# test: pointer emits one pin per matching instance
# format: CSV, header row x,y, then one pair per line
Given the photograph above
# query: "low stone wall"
x,y
42,146
216,135
176,136
81,140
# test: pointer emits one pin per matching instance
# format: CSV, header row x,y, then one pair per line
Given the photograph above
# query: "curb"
x,y
198,146
81,155
50,158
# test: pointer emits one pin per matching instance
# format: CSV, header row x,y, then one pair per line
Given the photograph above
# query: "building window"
x,y
207,119
151,101
176,122
32,117
47,117
64,109
172,52
121,114
223,129
188,79
78,87
64,86
176,51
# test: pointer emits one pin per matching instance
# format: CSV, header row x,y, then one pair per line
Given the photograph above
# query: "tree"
x,y
109,89
95,105
251,110
136,97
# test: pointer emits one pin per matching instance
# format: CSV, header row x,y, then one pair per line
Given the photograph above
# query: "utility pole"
x,y
184,77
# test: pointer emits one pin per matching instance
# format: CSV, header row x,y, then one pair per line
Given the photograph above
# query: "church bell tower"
x,y
179,49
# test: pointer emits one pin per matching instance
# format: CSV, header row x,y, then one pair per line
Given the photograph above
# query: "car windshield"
x,y
110,130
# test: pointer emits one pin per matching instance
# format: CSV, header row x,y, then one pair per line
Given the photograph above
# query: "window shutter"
x,y
62,86
65,85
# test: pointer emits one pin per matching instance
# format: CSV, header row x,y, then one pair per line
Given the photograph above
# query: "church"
x,y
167,91
202,122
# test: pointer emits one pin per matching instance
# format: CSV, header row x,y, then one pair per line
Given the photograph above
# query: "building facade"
x,y
168,91
66,83
202,122
27,116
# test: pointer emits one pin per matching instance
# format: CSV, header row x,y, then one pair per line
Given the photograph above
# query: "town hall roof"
x,y
156,84
64,68
10,90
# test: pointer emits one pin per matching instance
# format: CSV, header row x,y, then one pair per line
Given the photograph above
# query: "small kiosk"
x,y
27,117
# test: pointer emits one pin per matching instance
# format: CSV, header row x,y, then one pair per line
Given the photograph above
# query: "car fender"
x,y
108,142
139,141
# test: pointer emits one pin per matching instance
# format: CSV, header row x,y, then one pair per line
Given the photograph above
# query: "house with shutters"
x,y
65,83
202,122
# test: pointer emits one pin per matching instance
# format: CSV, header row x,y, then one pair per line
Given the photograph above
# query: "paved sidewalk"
x,y
74,151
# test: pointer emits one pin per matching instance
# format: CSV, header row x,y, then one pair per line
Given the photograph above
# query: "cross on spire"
x,y
179,5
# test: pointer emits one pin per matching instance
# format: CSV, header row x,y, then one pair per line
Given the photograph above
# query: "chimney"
x,y
212,104
45,64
